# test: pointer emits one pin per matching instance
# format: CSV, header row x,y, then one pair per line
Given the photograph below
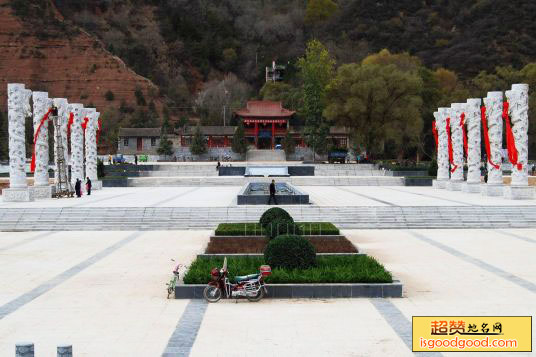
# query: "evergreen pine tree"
x,y
198,146
239,144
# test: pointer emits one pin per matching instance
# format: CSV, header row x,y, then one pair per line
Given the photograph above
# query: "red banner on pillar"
x,y
43,120
510,139
486,136
451,154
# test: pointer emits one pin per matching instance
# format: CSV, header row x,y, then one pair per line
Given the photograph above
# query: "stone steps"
x,y
241,181
207,218
265,155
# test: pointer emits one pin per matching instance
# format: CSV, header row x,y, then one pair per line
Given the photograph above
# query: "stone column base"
x,y
439,184
519,192
471,187
96,185
43,192
24,194
495,190
454,185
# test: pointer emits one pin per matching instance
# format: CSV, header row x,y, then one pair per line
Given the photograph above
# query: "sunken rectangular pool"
x,y
258,193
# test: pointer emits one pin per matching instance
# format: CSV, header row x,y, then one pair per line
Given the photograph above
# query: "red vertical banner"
x,y
486,136
434,131
510,139
451,154
464,130
36,135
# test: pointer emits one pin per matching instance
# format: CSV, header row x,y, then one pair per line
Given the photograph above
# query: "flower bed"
x,y
255,229
328,269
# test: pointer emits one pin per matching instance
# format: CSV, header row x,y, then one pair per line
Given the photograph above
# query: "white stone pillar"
x,y
63,117
442,150
41,105
91,147
18,106
77,144
518,99
494,107
474,156
456,133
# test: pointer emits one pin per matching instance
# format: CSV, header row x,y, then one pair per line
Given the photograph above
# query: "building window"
x,y
153,141
125,142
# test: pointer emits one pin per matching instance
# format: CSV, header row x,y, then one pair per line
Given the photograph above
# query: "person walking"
x,y
218,166
109,159
136,160
272,193
78,188
88,186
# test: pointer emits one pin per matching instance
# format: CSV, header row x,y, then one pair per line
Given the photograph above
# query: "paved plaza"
x,y
101,286
104,292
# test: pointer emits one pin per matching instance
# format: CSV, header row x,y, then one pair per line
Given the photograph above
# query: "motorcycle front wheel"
x,y
259,296
212,293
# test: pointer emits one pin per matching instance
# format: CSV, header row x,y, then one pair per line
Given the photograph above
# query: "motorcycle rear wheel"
x,y
212,293
258,297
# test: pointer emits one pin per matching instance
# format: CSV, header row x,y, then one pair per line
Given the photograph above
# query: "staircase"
x,y
265,155
176,218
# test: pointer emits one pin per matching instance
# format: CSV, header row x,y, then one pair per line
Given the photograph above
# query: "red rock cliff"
x,y
74,66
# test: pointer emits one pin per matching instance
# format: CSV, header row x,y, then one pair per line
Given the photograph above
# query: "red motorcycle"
x,y
250,286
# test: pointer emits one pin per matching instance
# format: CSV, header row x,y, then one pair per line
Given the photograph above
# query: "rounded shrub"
x,y
290,252
281,226
271,214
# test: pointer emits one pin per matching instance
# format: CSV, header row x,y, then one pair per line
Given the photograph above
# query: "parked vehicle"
x,y
250,286
173,282
278,147
337,156
119,159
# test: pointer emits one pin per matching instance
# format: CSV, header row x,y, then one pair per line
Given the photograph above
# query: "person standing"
x,y
136,160
272,193
218,166
88,186
110,159
78,188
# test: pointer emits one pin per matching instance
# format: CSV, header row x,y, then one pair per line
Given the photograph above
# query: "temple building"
x,y
266,123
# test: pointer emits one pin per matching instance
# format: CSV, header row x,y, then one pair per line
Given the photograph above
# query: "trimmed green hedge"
x,y
328,269
255,229
290,252
272,214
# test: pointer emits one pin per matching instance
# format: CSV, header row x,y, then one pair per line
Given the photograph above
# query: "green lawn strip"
x,y
344,269
255,229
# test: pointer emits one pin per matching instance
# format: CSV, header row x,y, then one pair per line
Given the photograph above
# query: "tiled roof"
x,y
139,132
211,130
264,108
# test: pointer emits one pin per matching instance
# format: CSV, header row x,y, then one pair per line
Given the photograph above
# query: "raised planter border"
x,y
309,291
260,255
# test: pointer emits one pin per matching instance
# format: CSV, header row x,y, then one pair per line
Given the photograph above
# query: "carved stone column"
x,y
41,105
494,107
456,169
77,144
473,123
518,99
18,106
91,146
63,117
442,149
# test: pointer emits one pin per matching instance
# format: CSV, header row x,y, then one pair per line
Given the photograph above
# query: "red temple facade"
x,y
266,123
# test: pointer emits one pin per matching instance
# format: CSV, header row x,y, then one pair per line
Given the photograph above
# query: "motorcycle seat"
x,y
239,279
